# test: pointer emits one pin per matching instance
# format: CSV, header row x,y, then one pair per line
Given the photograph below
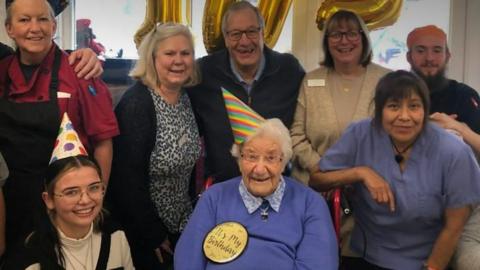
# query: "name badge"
x,y
63,95
315,82
225,242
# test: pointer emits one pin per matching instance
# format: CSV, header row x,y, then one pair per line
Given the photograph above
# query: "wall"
x,y
472,45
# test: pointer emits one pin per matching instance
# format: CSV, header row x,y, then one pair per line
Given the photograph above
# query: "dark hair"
x,y
352,19
236,6
45,237
398,85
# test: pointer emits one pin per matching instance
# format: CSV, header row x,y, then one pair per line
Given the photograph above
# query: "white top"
x,y
83,253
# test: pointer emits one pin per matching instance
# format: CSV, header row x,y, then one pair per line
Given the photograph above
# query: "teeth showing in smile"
x,y
345,50
84,211
246,50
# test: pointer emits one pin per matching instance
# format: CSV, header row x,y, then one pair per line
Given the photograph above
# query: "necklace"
x,y
347,83
342,84
399,154
77,260
169,96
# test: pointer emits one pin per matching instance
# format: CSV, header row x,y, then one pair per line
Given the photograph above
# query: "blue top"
x,y
441,173
252,203
245,85
299,236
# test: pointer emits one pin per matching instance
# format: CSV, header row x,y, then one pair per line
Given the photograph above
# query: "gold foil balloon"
x,y
212,24
158,11
274,13
375,13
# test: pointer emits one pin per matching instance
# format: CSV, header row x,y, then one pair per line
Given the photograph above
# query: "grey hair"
x,y
8,18
272,128
144,68
234,7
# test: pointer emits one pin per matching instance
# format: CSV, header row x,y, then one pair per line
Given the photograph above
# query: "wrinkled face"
x,y
77,200
247,51
261,165
174,61
428,56
403,119
32,28
347,49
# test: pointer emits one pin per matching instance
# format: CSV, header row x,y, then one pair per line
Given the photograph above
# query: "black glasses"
x,y
336,36
236,35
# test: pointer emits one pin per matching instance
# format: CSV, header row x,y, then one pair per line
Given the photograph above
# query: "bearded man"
x,y
428,55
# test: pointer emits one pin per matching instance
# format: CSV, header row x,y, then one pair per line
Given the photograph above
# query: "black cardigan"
x,y
128,195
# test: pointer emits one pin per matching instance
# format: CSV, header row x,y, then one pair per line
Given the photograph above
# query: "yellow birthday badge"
x,y
225,242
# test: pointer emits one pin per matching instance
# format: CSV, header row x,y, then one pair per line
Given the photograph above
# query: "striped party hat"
x,y
243,119
68,143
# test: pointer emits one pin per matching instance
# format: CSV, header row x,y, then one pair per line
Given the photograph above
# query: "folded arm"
x,y
377,186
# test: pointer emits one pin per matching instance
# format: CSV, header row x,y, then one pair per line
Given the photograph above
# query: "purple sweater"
x,y
299,236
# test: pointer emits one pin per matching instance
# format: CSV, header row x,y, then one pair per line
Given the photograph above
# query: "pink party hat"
x,y
243,119
68,143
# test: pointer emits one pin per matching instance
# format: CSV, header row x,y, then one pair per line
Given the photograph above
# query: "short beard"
x,y
434,82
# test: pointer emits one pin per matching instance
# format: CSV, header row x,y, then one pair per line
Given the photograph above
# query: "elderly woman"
x,y
155,154
414,182
288,225
37,85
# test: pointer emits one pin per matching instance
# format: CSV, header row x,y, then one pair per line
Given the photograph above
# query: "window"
x,y
114,23
390,44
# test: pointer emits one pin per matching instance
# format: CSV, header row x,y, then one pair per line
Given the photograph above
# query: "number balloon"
x,y
375,13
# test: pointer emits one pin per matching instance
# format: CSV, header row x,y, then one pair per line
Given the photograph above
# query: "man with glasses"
x,y
266,80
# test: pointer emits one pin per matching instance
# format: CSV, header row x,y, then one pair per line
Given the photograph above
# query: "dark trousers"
x,y
352,263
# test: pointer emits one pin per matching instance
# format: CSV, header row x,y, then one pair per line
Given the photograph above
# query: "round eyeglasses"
x,y
73,195
269,159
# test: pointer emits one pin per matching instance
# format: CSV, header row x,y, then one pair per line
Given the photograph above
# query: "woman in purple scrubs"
x,y
414,182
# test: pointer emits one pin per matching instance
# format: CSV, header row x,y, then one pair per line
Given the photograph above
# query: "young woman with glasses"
x,y
75,234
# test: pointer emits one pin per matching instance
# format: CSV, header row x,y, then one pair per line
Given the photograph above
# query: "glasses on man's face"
x,y
236,35
73,195
336,36
269,159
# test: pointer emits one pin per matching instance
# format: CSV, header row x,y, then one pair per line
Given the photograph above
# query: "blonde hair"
x,y
8,18
144,70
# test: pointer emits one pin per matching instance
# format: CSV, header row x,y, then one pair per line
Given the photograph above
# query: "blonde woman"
x,y
158,146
